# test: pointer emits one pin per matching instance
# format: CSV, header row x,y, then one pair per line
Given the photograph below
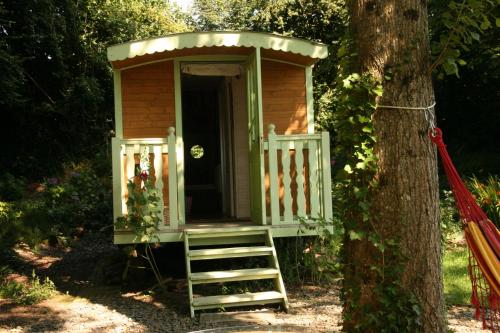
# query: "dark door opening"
x,y
204,147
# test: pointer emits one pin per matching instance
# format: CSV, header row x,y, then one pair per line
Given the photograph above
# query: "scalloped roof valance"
x,y
210,39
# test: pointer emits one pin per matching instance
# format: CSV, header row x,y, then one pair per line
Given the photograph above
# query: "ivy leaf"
x,y
378,91
367,129
475,35
497,22
353,235
485,24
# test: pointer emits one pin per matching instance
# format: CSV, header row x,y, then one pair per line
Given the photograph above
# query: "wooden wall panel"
x,y
148,100
284,97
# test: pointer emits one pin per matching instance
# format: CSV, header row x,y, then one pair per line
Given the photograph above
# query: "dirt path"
x,y
87,307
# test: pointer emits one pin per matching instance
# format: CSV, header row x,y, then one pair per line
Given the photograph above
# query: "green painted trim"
x,y
327,176
273,176
179,144
146,63
309,100
260,109
284,62
172,178
209,39
170,236
117,168
117,86
188,273
214,57
203,58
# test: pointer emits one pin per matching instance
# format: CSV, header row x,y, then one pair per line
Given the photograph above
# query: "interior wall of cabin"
x,y
241,174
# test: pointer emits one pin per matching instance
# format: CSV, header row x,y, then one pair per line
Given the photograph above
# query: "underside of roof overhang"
x,y
300,48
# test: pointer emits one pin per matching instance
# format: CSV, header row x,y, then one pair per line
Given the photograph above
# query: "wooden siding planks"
x,y
148,100
284,97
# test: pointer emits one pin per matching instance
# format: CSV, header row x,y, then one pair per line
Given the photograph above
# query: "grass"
x,y
457,285
35,291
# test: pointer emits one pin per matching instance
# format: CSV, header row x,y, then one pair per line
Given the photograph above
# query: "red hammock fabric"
x,y
482,269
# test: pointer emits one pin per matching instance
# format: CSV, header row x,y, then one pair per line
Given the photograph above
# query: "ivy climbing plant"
x,y
144,214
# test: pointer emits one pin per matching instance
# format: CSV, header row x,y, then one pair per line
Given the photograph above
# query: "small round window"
x,y
197,151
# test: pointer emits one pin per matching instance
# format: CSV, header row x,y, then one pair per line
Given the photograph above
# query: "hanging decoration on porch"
x,y
483,240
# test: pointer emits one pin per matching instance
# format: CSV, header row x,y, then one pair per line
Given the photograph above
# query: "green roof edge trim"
x,y
208,39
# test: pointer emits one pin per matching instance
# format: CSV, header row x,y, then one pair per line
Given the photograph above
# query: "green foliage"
x,y
57,85
9,228
460,24
80,199
450,220
351,104
144,211
320,255
487,195
12,188
219,15
457,285
143,217
35,292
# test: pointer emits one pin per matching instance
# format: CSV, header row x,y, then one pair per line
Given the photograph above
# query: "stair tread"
x,y
237,298
230,250
224,230
235,273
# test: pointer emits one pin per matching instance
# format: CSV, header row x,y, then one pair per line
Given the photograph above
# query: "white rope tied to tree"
x,y
429,115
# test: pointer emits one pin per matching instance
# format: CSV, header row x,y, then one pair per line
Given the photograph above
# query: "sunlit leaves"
x,y
456,26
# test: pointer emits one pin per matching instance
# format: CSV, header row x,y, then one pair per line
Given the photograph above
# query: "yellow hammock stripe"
x,y
489,257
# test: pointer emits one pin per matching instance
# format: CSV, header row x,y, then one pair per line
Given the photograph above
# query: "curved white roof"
x,y
207,39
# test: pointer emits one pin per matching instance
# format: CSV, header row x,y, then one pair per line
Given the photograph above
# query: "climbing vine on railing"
x,y
144,214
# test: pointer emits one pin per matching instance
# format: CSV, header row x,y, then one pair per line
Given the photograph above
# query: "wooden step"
x,y
211,302
226,232
230,252
234,275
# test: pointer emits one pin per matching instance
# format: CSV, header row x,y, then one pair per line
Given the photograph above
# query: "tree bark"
x,y
391,40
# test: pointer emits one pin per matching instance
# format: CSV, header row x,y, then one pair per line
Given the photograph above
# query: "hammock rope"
x,y
483,241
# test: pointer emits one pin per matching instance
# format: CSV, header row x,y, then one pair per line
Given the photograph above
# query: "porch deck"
x,y
296,186
176,235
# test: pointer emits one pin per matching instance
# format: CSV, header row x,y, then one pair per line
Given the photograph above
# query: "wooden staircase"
x,y
226,243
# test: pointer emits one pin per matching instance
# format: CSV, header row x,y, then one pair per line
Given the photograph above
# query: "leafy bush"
x,y
36,291
12,188
9,225
487,195
450,220
58,207
312,259
78,199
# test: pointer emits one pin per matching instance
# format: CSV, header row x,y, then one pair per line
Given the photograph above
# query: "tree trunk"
x,y
391,40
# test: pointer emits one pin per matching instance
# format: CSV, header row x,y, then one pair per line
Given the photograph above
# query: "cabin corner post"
x,y
273,175
116,148
117,87
327,176
172,179
181,210
309,99
260,116
117,169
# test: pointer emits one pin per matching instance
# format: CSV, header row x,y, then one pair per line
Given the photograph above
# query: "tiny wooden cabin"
x,y
228,120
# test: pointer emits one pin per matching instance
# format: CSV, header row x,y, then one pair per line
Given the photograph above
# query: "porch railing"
x,y
299,177
124,168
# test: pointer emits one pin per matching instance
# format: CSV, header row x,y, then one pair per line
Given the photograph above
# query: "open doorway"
x,y
215,143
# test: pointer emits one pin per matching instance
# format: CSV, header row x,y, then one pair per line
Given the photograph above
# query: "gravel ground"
x,y
90,307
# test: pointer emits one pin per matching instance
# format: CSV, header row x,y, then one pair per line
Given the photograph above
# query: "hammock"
x,y
483,241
